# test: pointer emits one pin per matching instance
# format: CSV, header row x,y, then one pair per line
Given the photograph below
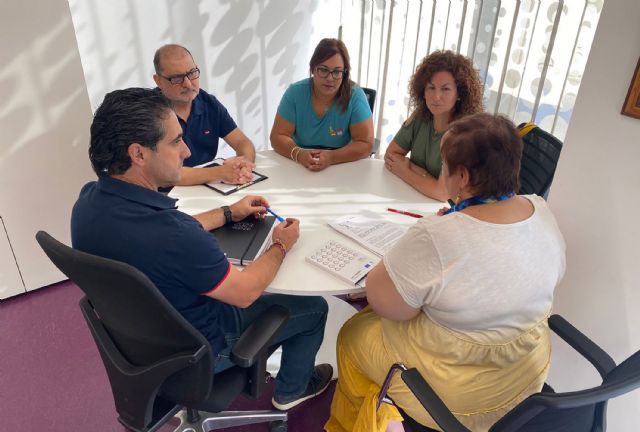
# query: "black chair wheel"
x,y
278,426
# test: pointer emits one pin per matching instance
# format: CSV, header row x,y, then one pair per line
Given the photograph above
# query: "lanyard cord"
x,y
476,201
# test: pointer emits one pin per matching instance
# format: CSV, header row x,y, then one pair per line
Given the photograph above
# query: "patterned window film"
x,y
531,54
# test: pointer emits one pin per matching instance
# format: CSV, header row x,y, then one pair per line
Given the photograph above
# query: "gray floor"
x,y
52,378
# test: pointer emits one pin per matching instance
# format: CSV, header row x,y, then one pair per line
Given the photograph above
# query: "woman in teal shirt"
x,y
444,88
325,119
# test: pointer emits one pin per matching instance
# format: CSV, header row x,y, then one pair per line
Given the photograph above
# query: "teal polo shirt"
x,y
143,228
331,131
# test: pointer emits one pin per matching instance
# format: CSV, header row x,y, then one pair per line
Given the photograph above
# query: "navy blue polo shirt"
x,y
208,121
143,228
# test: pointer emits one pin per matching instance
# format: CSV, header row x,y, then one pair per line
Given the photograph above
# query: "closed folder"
x,y
244,241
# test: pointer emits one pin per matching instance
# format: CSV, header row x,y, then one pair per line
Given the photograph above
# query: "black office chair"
x,y
156,361
371,98
539,159
547,411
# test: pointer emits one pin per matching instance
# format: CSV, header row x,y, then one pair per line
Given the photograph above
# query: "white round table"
x,y
317,198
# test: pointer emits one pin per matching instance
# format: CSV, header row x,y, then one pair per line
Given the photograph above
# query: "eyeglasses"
x,y
193,74
324,72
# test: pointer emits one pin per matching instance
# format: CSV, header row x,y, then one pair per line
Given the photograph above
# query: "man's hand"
x,y
237,170
287,232
248,205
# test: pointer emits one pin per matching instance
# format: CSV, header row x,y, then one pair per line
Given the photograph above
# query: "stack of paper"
x,y
377,235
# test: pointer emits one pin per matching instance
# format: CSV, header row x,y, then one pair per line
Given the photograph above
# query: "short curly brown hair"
x,y
467,80
490,147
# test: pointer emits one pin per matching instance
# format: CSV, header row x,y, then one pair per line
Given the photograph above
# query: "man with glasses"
x,y
204,120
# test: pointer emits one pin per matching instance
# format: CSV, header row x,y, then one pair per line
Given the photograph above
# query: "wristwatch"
x,y
227,214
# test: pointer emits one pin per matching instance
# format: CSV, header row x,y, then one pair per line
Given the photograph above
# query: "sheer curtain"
x,y
531,54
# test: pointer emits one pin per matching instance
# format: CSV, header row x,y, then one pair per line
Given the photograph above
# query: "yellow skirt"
x,y
478,382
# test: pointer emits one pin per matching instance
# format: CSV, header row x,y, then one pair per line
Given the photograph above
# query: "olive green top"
x,y
421,139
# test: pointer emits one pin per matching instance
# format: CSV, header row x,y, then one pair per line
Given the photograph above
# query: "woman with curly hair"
x,y
445,87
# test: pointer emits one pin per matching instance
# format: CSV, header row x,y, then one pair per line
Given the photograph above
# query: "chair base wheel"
x,y
278,426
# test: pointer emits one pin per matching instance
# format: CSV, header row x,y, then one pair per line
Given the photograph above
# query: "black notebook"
x,y
244,241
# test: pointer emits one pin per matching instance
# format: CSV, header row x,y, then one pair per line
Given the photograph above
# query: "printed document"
x,y
377,235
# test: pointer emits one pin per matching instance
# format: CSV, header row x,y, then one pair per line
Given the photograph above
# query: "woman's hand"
x,y
320,159
396,164
314,160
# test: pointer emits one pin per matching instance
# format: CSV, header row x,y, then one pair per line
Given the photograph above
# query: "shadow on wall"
x,y
44,119
41,89
251,49
246,50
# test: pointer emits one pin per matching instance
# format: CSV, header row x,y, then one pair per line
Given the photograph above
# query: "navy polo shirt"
x,y
208,121
143,228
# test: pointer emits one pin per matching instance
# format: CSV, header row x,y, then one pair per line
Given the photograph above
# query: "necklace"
x,y
476,201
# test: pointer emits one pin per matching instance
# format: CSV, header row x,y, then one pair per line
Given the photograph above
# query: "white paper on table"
x,y
377,235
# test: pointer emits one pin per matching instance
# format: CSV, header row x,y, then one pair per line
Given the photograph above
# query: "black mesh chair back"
x,y
157,362
540,157
371,97
583,410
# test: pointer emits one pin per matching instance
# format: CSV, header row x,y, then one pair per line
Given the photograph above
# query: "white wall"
x,y
44,132
595,198
248,51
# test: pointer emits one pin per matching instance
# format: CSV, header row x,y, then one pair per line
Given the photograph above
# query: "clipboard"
x,y
228,189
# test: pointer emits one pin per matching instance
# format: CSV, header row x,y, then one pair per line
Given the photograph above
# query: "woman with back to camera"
x,y
325,119
464,295
445,87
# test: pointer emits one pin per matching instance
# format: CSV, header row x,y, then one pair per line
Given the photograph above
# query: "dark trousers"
x,y
300,338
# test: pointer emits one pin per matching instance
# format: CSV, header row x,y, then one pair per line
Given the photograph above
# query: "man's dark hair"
x,y
157,57
133,115
490,147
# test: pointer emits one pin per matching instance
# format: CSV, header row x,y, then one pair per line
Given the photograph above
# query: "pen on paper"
x,y
280,219
406,213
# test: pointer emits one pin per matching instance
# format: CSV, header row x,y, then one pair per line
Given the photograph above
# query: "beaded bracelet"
x,y
281,246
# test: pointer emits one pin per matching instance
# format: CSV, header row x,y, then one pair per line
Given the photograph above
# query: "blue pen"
x,y
280,219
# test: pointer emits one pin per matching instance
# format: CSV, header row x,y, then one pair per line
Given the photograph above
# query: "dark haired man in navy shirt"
x,y
204,120
136,147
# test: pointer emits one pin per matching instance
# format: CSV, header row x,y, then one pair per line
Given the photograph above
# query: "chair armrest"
x,y
431,402
582,344
257,338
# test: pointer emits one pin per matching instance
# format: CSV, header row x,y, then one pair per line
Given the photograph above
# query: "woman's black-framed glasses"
x,y
324,72
179,79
